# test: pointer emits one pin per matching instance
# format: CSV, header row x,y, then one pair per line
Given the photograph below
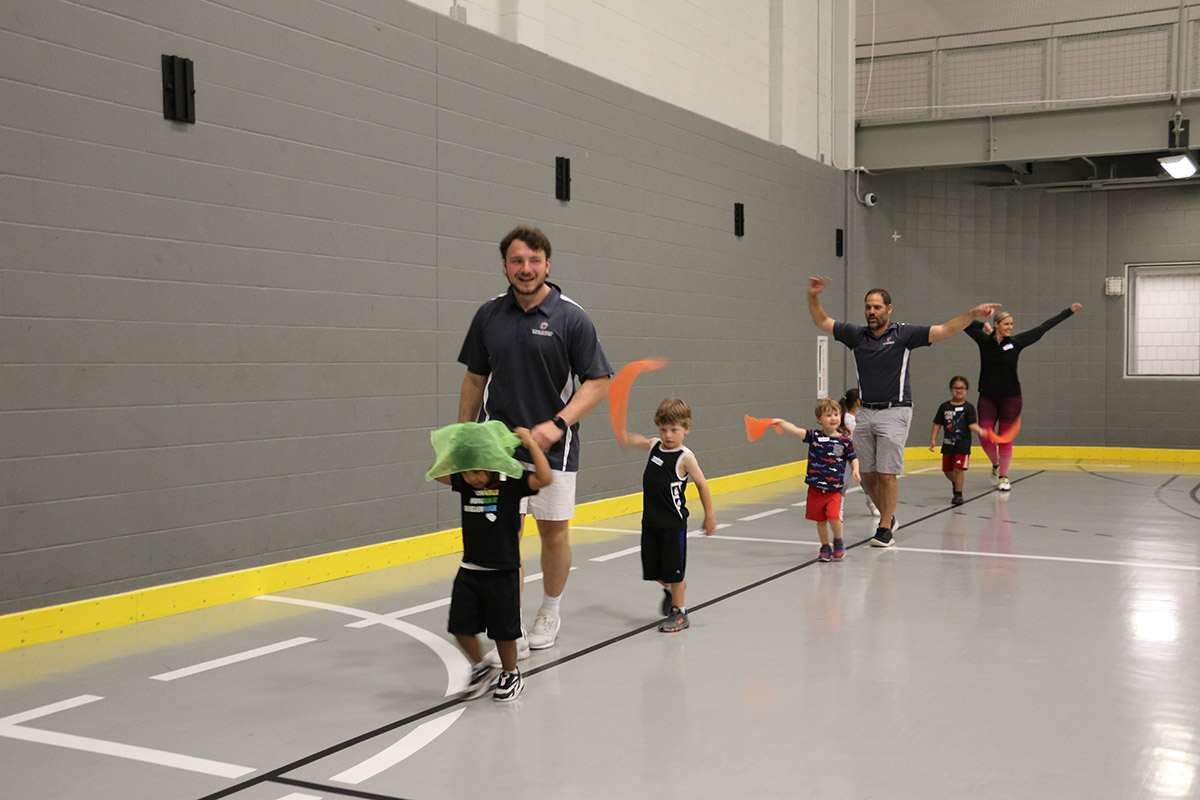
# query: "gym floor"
x,y
1040,644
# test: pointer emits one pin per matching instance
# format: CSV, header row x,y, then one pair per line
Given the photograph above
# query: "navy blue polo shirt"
x,y
882,363
532,360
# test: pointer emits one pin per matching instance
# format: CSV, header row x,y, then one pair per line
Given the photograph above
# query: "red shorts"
x,y
953,461
823,505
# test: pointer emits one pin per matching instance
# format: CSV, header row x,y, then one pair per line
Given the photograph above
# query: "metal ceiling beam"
x,y
1039,136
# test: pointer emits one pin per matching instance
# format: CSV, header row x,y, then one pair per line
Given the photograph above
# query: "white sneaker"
x,y
1004,485
544,632
995,474
493,658
871,506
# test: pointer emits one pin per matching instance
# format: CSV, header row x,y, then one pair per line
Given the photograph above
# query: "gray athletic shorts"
x,y
879,439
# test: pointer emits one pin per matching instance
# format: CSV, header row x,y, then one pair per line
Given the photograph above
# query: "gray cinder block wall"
x,y
225,344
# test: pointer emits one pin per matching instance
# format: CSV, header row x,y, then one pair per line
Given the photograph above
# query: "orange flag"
x,y
1008,436
619,386
756,428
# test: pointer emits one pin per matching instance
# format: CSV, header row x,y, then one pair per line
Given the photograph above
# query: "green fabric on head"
x,y
474,445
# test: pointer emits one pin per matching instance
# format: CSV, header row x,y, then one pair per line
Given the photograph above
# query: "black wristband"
x,y
561,423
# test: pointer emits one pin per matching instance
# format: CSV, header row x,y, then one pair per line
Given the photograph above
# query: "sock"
x,y
550,605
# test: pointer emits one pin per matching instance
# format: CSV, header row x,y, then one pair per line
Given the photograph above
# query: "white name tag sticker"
x,y
1008,346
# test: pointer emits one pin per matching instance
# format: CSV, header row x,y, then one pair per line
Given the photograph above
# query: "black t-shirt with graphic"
x,y
954,421
491,521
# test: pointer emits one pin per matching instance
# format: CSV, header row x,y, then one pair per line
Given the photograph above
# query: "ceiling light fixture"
x,y
1178,166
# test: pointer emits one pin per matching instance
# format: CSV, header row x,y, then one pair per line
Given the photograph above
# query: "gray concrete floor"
x,y
1044,644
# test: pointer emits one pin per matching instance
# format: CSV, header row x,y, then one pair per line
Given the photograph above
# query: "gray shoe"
x,y
676,621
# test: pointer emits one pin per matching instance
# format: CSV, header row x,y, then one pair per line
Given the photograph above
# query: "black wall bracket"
x,y
562,178
739,219
179,89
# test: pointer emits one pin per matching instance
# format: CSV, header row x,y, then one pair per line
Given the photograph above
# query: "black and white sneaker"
x,y
882,538
509,688
482,678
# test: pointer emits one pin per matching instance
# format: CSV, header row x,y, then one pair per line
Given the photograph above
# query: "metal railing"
x,y
1104,61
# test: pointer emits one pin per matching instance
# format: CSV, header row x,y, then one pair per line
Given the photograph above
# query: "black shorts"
x,y
664,554
486,600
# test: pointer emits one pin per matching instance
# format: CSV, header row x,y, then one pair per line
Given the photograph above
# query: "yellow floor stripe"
x,y
103,613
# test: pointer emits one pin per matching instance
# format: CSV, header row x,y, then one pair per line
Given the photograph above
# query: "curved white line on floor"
x,y
393,754
457,668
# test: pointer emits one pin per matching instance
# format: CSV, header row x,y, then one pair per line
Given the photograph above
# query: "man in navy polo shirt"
x,y
523,353
881,353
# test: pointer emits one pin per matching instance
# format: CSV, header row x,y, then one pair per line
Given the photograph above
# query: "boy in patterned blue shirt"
x,y
828,451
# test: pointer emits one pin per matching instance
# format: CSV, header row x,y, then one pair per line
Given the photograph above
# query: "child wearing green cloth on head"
x,y
475,460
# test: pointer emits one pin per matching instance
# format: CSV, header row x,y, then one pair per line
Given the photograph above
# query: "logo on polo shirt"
x,y
542,330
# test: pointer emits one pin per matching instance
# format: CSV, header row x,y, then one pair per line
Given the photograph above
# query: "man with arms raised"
x,y
881,351
523,353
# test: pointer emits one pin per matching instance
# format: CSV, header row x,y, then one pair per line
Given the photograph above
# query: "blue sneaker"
x,y
826,553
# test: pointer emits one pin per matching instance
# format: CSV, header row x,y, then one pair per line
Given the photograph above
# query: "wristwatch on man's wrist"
x,y
561,423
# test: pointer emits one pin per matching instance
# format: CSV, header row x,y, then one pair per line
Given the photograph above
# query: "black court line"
x,y
1102,476
277,775
326,789
1192,494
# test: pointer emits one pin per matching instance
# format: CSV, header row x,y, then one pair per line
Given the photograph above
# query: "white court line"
x,y
631,550
10,729
604,530
627,552
45,711
300,796
770,513
216,663
752,539
801,504
392,755
457,668
408,612
1063,559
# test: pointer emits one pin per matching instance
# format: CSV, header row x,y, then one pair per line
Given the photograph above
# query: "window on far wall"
x,y
1163,326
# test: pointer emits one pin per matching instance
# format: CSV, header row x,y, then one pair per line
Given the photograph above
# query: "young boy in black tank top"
x,y
664,507
487,594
